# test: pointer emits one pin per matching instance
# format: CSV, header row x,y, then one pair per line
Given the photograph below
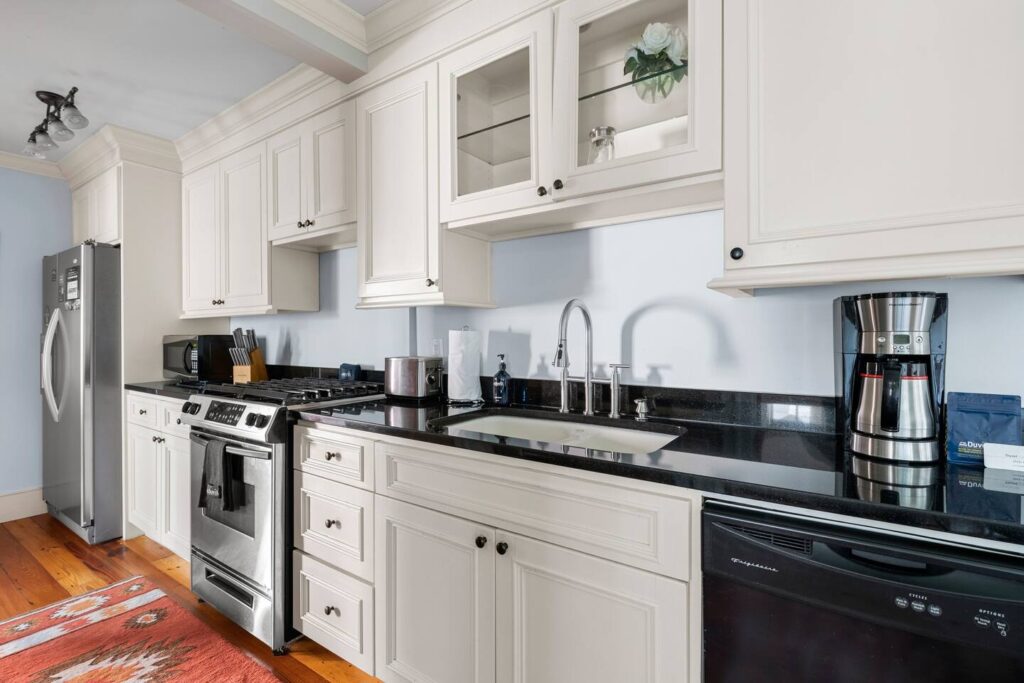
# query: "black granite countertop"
x,y
809,470
168,388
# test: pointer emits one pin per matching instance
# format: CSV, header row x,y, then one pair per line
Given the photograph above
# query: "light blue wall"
x,y
645,284
35,220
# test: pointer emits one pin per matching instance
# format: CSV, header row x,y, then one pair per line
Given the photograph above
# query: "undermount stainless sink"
x,y
566,432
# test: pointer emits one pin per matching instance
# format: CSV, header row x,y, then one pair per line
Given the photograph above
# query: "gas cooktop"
x,y
293,391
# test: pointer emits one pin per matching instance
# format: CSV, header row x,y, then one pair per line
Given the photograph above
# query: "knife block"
x,y
256,371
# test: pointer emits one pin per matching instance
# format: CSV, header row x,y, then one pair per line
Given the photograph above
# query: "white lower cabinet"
x,y
461,594
156,473
565,616
435,596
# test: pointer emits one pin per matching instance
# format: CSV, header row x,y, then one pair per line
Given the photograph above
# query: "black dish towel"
x,y
219,476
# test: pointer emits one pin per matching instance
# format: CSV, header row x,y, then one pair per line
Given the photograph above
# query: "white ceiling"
x,y
364,7
155,66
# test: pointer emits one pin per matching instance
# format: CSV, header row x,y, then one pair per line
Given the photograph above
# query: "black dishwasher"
x,y
793,599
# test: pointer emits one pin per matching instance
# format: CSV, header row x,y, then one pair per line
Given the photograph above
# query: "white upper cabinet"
x,y
872,140
311,177
661,121
495,104
405,258
228,265
96,208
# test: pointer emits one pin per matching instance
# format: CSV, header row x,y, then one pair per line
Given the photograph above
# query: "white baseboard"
x,y
20,504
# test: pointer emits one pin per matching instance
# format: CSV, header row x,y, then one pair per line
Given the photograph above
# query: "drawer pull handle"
x,y
331,455
502,548
481,541
142,411
332,522
331,608
178,420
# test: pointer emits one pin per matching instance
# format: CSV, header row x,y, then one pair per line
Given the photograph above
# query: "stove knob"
x,y
186,407
194,409
261,421
250,419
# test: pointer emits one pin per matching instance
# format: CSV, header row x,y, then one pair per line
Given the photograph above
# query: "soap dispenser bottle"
x,y
501,383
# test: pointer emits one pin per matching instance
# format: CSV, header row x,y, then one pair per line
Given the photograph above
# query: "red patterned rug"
x,y
129,631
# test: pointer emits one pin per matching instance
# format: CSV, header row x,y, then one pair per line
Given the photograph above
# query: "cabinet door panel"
x,y
245,262
200,239
564,616
666,126
435,596
82,201
177,507
331,176
398,224
143,479
284,184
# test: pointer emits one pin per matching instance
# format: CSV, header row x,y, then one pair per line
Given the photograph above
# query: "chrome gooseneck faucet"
x,y
562,361
562,357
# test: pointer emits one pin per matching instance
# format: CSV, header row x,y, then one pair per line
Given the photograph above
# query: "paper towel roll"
x,y
464,365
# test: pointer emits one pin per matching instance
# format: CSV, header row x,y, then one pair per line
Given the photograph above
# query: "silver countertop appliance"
x,y
890,365
413,376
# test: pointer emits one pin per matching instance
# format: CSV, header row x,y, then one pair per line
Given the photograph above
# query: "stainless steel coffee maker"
x,y
890,366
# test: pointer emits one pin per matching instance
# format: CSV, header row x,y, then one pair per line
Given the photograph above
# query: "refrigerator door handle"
x,y
47,365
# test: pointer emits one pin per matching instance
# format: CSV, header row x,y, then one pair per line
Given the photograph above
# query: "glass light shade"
x,y
60,132
45,142
73,117
32,150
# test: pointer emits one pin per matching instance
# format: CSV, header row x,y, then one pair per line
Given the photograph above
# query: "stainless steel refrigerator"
x,y
80,380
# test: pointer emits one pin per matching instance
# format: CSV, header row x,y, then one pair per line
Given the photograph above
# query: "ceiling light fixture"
x,y
61,116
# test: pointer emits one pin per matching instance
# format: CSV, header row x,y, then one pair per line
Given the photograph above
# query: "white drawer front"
x,y
142,410
333,609
170,418
339,457
334,523
611,520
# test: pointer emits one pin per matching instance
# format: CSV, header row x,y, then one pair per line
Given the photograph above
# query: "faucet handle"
x,y
643,409
619,366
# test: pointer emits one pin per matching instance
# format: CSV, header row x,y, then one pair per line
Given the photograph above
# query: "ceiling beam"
x,y
325,34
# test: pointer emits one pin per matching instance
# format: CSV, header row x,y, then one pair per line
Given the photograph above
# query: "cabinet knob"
x,y
329,609
431,283
310,222
330,455
332,522
298,224
736,254
541,191
142,411
153,439
481,541
502,548
557,184
178,420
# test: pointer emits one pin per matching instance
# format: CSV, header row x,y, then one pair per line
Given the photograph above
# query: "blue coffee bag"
x,y
973,420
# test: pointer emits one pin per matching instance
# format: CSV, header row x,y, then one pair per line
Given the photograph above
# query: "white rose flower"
x,y
657,37
631,53
677,50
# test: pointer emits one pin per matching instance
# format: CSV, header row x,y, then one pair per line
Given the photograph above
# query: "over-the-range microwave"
x,y
202,357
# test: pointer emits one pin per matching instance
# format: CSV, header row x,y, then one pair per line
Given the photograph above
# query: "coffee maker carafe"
x,y
890,369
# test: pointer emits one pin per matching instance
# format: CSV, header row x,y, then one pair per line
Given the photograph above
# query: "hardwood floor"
x,y
41,562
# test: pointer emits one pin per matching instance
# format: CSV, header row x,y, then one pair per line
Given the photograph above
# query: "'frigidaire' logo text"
x,y
755,565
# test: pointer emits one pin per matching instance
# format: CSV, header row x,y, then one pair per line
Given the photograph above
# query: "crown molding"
x,y
398,18
332,16
240,122
18,162
111,145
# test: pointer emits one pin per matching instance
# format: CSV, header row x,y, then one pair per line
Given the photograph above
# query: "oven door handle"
x,y
232,449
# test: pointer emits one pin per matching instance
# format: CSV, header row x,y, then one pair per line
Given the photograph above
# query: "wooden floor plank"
x,y
26,583
59,562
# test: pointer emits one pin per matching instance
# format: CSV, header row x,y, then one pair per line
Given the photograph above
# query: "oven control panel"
x,y
225,413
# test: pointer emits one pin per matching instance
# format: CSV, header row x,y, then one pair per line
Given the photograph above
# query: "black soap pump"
x,y
501,382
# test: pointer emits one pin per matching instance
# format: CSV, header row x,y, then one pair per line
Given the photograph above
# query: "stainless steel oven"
x,y
240,557
793,599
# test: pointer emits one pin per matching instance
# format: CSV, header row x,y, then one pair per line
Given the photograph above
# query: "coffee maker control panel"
x,y
896,344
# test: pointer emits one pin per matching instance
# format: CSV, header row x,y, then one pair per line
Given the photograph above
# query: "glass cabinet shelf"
x,y
495,126
629,83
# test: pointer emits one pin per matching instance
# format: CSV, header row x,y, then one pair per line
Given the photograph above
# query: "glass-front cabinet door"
x,y
637,93
495,121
